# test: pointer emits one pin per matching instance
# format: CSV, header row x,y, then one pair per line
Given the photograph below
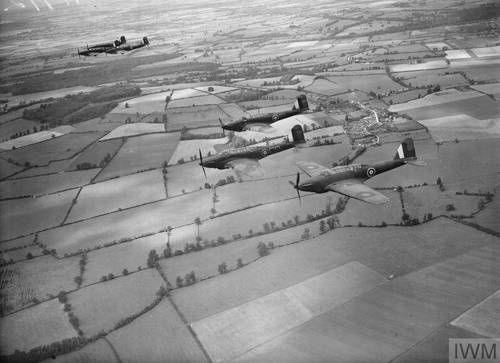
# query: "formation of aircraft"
x,y
261,123
119,45
245,158
348,179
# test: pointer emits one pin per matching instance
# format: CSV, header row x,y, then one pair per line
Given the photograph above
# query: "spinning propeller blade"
x,y
201,163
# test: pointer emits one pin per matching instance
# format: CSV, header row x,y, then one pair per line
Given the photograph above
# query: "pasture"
x,y
186,149
98,351
96,154
29,139
186,93
7,169
141,153
21,254
14,127
101,306
40,325
434,64
461,127
52,167
159,335
232,110
414,306
23,216
62,147
128,255
40,278
374,82
195,101
134,130
489,216
325,87
45,184
144,104
108,196
228,334
197,116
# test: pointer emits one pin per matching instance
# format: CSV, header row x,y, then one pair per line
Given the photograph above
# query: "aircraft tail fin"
x,y
145,40
123,40
298,135
301,103
406,150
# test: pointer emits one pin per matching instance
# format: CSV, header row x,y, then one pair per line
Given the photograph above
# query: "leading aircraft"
x,y
348,179
245,158
262,123
113,47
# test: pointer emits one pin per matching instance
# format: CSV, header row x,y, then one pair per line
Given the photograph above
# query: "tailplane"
x,y
301,103
406,150
298,135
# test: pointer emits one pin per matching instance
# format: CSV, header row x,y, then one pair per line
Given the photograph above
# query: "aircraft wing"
x,y
311,168
356,189
264,128
245,166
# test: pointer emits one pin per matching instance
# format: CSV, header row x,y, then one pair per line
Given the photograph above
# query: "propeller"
x,y
221,125
296,186
201,163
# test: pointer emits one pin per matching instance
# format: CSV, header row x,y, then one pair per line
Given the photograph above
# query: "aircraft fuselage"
x,y
267,119
319,183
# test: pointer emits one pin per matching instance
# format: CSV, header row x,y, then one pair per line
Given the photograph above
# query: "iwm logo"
x,y
474,350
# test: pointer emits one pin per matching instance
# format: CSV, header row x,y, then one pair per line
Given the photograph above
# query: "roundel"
x,y
264,152
370,172
275,117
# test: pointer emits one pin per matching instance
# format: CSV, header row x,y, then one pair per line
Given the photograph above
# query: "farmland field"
x,y
490,89
28,215
17,243
436,99
51,168
11,128
100,307
129,255
45,184
96,154
141,153
62,147
189,148
7,169
376,83
230,333
162,329
144,104
40,325
461,127
436,64
37,278
108,196
38,96
21,254
325,87
430,78
232,110
186,93
489,216
483,319
197,116
134,130
413,302
194,101
29,139
98,351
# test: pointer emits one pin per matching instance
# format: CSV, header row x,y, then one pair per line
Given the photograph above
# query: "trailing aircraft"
x,y
245,158
262,123
113,47
348,179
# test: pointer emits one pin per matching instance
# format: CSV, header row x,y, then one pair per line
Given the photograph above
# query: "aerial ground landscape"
x,y
117,246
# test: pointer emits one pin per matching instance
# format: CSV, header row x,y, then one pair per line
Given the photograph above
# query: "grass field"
x,y
7,169
37,278
21,254
228,334
435,99
107,196
489,216
45,184
490,89
11,128
29,139
376,83
96,154
51,168
186,149
62,147
232,110
100,307
27,215
483,318
436,64
143,105
432,78
325,87
158,336
141,153
128,256
98,351
414,306
17,243
134,130
40,325
462,127
197,116
186,93
195,101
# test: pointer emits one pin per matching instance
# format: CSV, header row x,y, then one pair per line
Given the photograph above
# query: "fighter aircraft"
x,y
243,159
113,47
348,179
262,123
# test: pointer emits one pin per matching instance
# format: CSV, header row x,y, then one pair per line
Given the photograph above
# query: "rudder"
x,y
302,102
406,150
298,134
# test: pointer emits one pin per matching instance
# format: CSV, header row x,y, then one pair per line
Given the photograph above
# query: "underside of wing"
x,y
357,190
245,166
311,168
264,128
